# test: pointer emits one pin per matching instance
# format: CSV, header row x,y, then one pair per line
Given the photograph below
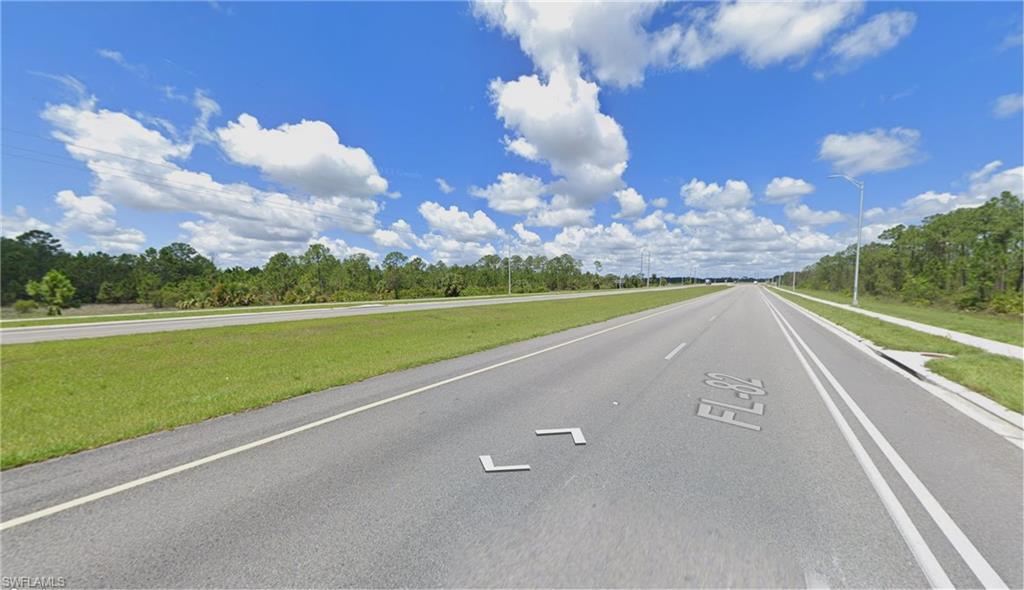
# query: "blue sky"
x,y
704,133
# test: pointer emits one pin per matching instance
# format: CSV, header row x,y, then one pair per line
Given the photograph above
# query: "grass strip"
x,y
1007,328
998,377
9,319
65,396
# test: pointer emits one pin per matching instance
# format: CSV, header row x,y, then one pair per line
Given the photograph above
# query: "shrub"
x,y
1007,302
25,305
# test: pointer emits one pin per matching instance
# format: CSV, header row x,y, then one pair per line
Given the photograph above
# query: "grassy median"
x,y
65,396
998,377
1007,328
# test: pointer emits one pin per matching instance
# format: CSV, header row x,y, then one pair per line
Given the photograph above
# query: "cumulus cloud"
x,y
761,33
801,214
560,212
12,226
697,193
399,235
559,122
878,35
659,203
516,194
526,236
443,186
783,189
93,217
631,203
873,151
139,167
1008,105
307,156
455,223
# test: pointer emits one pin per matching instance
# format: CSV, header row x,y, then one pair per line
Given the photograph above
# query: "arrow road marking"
x,y
577,434
489,465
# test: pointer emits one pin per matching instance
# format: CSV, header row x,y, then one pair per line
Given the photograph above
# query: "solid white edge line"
x,y
974,409
927,561
675,350
970,554
263,441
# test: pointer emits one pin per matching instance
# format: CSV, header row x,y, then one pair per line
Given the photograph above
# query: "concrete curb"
x,y
1003,421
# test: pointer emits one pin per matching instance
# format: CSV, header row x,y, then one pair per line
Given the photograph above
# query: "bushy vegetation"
x,y
969,258
178,276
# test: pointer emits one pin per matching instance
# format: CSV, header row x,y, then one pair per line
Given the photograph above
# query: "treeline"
x,y
970,258
178,276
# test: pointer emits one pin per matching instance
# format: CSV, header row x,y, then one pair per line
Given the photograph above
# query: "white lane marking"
x,y
978,408
970,554
577,434
675,350
933,571
490,468
815,581
263,441
713,318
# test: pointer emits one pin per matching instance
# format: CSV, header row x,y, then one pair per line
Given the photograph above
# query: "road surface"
x,y
99,329
381,483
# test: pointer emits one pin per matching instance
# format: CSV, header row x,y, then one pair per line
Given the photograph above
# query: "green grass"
x,y
1007,328
998,377
6,321
65,396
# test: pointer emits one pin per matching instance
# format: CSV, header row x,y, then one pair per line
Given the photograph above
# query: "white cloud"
x,y
307,156
516,194
207,108
734,194
878,35
399,235
455,251
12,226
784,189
559,122
988,183
1008,105
460,225
803,215
443,186
761,33
119,59
138,167
654,221
631,203
986,170
557,35
560,212
93,217
873,151
659,203
526,236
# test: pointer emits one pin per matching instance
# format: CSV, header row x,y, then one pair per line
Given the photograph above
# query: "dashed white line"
x,y
675,351
311,425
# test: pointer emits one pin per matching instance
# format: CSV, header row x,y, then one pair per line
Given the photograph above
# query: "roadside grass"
x,y
10,318
1007,328
65,396
998,377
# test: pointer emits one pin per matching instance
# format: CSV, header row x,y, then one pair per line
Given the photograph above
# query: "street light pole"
x,y
509,252
860,224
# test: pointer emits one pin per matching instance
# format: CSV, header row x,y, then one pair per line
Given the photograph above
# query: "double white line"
x,y
919,547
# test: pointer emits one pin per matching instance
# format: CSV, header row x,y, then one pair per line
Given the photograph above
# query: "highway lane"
x,y
100,329
658,496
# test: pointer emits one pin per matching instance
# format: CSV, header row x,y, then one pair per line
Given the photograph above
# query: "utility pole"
x,y
508,246
860,224
794,280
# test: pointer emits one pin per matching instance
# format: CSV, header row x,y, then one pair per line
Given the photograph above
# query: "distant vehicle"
x,y
707,281
755,282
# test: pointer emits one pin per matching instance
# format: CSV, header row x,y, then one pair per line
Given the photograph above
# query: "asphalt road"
x,y
100,329
395,495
